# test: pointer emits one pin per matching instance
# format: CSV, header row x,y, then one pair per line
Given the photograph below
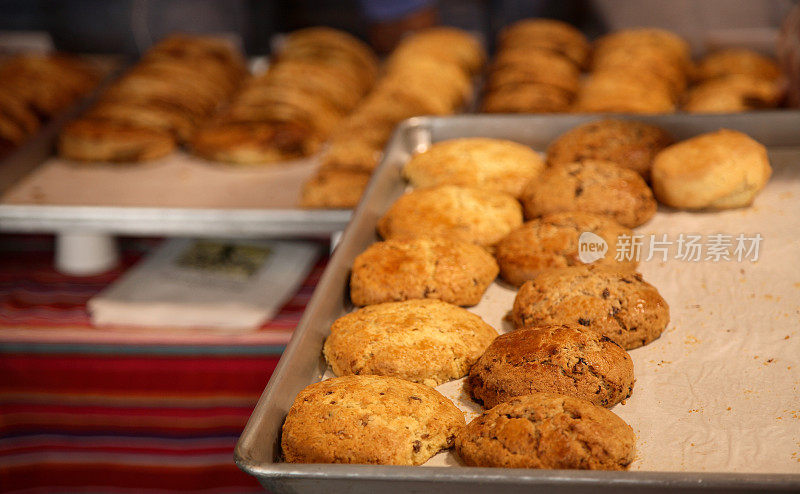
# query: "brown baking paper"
x,y
720,390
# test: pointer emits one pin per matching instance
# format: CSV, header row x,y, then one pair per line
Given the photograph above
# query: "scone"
x,y
446,45
369,419
518,65
334,189
591,186
626,143
732,94
547,430
482,217
424,341
719,170
404,269
483,163
737,61
620,305
553,241
645,60
669,44
565,359
613,91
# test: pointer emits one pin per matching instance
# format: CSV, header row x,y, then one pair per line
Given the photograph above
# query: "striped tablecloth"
x,y
89,410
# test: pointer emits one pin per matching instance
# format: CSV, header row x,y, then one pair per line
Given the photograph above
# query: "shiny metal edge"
x,y
258,448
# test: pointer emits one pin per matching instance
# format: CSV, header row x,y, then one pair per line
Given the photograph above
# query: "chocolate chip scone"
x,y
620,305
492,164
547,430
626,143
473,215
592,186
424,341
450,270
566,359
552,241
369,419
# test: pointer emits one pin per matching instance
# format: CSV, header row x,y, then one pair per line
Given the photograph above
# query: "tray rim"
x,y
272,471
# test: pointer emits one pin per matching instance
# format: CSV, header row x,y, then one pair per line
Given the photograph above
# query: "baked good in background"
x,y
617,304
592,186
426,341
369,419
547,430
536,69
626,143
429,73
733,94
158,104
552,241
450,270
718,170
334,189
315,80
623,92
736,61
567,359
480,216
489,164
34,88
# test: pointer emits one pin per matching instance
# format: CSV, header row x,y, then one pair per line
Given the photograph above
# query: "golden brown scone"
x,y
369,419
627,143
622,92
100,140
451,86
446,44
425,341
591,186
334,189
645,60
617,304
718,170
449,270
553,242
737,61
547,430
254,143
482,217
549,34
530,97
732,94
482,163
514,66
566,359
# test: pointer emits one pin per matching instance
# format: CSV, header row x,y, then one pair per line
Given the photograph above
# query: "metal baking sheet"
x,y
242,204
258,449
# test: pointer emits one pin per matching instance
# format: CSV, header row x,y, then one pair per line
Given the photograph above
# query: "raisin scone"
x,y
566,359
369,419
620,305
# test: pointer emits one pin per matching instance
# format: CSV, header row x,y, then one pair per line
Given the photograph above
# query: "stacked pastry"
x,y
734,80
34,88
158,104
315,80
641,70
537,68
428,74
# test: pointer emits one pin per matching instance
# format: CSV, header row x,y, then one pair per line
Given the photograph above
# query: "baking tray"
x,y
258,449
23,210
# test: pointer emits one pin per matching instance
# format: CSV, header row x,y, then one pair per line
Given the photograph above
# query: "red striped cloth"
x,y
87,410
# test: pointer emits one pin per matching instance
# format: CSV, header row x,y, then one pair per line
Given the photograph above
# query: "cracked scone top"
x,y
620,305
546,430
369,419
552,242
566,359
592,186
425,341
394,270
479,216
